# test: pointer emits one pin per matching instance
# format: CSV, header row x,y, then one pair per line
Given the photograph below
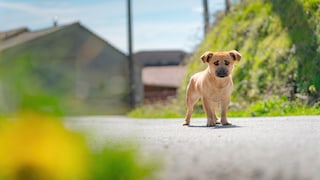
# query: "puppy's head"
x,y
221,63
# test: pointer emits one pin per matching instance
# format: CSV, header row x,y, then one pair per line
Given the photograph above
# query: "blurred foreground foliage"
x,y
36,147
280,66
23,87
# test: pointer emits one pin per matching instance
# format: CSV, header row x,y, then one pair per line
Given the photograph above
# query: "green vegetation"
x,y
27,82
275,45
40,147
279,42
275,106
22,87
158,110
32,98
272,106
121,162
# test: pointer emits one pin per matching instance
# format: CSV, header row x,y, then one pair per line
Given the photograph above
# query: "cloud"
x,y
197,9
35,10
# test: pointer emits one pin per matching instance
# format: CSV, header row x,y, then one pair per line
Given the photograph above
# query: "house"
x,y
162,82
86,72
162,74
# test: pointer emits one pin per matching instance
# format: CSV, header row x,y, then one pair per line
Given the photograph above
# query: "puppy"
x,y
213,85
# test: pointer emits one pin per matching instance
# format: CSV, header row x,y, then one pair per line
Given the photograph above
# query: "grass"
x,y
276,106
273,106
157,110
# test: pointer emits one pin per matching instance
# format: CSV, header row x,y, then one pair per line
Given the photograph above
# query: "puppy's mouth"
x,y
221,73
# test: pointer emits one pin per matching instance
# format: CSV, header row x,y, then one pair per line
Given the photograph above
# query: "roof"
x,y
156,58
18,36
163,76
8,34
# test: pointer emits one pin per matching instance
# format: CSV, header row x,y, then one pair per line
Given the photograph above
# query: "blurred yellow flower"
x,y
34,146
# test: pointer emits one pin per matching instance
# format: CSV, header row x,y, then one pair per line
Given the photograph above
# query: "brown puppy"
x,y
213,86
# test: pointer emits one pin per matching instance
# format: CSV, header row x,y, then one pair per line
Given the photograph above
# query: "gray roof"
x,y
11,33
160,58
18,36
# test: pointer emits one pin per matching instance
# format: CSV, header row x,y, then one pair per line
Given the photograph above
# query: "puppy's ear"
x,y
235,55
206,56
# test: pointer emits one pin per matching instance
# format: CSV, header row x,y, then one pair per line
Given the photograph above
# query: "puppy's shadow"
x,y
218,126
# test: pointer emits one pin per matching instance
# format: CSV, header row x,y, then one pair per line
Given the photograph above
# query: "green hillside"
x,y
279,42
279,73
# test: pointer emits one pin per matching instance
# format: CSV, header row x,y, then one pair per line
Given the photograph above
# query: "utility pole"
x,y
206,17
227,3
130,58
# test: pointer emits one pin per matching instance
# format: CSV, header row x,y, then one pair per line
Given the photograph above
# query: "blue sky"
x,y
157,24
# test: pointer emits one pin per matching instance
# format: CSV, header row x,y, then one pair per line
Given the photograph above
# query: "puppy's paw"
x,y
218,121
185,124
210,123
227,123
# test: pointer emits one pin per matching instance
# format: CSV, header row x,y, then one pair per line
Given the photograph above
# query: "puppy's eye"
x,y
226,62
216,63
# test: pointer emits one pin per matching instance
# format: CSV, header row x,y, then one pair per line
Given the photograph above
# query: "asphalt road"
x,y
252,148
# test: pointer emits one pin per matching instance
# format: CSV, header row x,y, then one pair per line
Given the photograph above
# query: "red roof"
x,y
163,76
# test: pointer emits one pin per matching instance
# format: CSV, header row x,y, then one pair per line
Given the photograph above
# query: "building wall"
x,y
154,94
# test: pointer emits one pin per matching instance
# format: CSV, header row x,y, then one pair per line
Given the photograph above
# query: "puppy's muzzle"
x,y
222,72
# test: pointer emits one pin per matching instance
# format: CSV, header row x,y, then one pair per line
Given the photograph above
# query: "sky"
x,y
157,24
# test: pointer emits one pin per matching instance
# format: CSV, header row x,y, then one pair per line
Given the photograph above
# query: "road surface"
x,y
252,148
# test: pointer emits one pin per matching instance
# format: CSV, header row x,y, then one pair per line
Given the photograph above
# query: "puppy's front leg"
x,y
214,106
207,109
224,108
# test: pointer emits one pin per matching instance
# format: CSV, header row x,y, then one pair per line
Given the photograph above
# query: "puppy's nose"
x,y
222,72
